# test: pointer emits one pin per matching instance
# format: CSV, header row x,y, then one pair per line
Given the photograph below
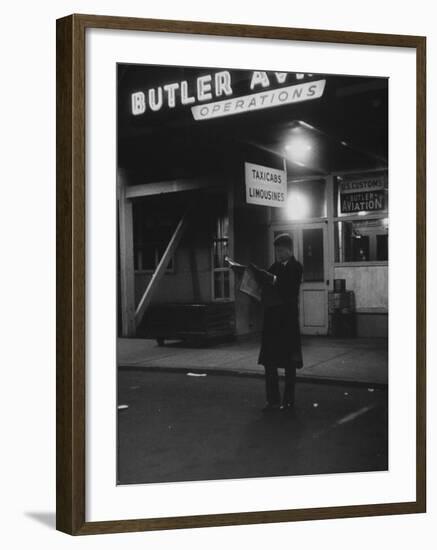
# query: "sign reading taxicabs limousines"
x,y
265,186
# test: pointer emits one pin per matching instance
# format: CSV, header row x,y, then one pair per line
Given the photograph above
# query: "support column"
x,y
127,277
331,228
231,237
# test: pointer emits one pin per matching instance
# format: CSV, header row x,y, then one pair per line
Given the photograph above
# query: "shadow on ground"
x,y
45,518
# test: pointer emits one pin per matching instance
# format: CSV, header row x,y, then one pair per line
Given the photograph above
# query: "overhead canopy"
x,y
346,128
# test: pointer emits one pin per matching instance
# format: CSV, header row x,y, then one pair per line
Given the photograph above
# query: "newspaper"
x,y
235,265
249,285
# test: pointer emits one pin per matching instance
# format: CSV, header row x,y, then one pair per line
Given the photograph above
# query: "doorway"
x,y
310,249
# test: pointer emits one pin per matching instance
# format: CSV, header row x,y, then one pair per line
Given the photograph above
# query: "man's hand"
x,y
262,276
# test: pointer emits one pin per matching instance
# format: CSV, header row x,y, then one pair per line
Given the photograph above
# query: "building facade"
x,y
198,183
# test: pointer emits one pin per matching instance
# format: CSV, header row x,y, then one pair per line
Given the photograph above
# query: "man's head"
x,y
283,247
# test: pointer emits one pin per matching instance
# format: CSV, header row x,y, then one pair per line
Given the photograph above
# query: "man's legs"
x,y
273,396
290,380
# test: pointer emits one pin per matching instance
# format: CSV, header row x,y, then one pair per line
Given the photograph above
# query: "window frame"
x,y
354,217
169,270
215,270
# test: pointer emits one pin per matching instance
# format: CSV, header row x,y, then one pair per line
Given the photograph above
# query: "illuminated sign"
x,y
364,184
206,87
265,186
368,201
362,195
212,95
261,100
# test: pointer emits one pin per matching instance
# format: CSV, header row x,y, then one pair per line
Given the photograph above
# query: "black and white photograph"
x,y
252,273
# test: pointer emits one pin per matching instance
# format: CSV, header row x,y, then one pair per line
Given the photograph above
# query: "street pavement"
x,y
352,360
173,426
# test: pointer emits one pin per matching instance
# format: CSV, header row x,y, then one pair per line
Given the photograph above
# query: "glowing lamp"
x,y
298,206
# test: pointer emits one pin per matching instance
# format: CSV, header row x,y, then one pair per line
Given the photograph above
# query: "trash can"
x,y
342,316
339,285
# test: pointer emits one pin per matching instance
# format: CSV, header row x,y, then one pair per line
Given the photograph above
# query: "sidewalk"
x,y
355,360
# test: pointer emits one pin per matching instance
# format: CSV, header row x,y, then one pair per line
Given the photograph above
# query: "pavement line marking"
x,y
354,415
344,420
317,363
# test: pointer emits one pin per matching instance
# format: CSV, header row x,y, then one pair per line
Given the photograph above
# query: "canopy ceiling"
x,y
345,129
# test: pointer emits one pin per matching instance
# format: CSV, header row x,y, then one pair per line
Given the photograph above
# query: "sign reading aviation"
x,y
265,186
362,195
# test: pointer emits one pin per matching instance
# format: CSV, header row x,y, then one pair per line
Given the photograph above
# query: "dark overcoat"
x,y
280,341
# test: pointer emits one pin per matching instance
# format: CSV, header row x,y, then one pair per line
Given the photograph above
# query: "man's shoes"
x,y
270,407
287,406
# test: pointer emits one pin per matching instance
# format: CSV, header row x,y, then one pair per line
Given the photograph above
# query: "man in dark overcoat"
x,y
280,341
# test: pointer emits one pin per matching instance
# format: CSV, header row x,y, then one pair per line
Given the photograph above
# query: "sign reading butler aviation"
x,y
265,186
362,195
214,95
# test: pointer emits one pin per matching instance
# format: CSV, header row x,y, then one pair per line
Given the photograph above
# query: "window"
x,y
152,233
361,240
221,271
148,255
312,254
361,210
382,247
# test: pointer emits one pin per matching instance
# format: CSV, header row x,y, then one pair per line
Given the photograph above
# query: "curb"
x,y
230,372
